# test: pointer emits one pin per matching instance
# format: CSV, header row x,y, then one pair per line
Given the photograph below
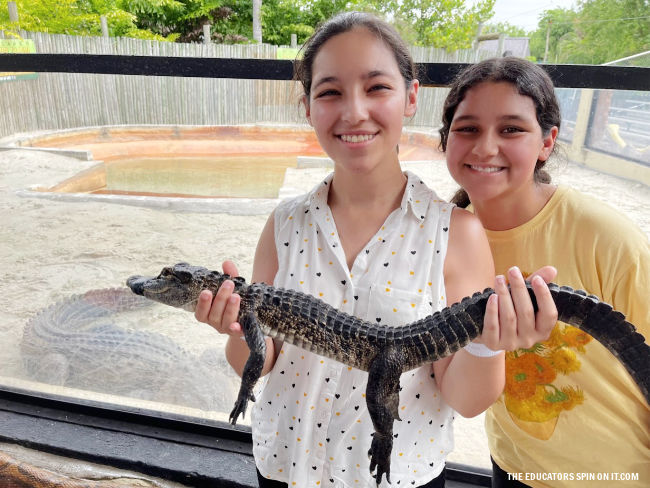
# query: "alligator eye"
x,y
167,271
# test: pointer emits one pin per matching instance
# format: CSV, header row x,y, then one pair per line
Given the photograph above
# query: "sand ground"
x,y
54,248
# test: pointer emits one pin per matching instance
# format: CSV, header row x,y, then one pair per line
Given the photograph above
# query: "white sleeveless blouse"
x,y
311,426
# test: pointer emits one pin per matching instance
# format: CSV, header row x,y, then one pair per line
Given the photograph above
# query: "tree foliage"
x,y
441,23
448,24
504,28
595,32
598,31
79,17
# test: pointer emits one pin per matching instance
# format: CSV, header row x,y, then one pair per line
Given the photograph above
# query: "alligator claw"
x,y
379,455
240,406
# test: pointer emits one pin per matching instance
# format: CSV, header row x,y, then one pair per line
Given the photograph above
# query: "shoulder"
x,y
594,218
467,238
302,202
290,205
469,265
465,224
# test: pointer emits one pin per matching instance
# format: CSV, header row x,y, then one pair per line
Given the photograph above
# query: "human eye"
x,y
512,130
468,129
327,92
379,87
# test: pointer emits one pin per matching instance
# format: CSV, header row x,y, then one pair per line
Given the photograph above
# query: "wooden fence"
x,y
54,101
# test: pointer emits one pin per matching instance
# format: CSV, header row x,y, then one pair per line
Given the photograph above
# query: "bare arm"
x,y
221,311
469,384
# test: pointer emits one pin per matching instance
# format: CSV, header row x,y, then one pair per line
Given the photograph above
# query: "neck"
x,y
369,189
508,212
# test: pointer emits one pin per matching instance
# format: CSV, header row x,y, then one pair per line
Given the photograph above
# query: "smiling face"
x,y
358,100
494,144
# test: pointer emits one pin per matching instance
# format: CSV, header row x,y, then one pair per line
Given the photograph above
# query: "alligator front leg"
x,y
254,364
382,398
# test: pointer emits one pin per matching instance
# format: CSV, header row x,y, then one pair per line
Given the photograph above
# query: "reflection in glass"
x,y
620,124
569,99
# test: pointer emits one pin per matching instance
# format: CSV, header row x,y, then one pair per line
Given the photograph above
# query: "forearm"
x,y
470,384
237,353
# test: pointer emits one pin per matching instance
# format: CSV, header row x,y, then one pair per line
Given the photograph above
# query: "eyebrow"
x,y
462,118
332,79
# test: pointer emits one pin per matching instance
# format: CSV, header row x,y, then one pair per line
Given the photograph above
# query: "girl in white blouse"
x,y
375,242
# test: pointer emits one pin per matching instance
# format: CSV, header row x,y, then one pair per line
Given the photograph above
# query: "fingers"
x,y
230,268
547,273
220,312
523,305
490,334
547,314
507,320
203,306
517,325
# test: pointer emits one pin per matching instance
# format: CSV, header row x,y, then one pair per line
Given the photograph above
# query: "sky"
x,y
525,13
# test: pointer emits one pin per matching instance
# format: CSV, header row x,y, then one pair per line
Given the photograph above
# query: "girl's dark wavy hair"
x,y
528,78
344,22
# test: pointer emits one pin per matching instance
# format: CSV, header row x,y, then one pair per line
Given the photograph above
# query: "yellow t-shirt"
x,y
570,409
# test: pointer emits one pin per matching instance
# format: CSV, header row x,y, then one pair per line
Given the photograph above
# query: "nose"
x,y
486,145
355,108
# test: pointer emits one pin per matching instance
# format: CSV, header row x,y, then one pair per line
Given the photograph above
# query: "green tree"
x,y
606,30
78,17
448,24
505,28
559,24
598,31
230,20
281,18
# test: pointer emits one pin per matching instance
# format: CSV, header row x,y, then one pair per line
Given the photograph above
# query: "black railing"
x,y
432,74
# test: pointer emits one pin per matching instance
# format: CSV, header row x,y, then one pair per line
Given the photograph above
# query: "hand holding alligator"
x,y
221,310
510,319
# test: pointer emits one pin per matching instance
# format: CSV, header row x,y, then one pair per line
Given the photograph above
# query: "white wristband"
x,y
480,350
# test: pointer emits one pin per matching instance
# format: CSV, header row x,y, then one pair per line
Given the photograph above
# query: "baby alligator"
x,y
384,352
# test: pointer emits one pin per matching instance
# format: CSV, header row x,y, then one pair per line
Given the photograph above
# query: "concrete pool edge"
x,y
242,205
231,206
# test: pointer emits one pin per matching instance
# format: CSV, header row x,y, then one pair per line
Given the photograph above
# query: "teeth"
x,y
486,169
356,138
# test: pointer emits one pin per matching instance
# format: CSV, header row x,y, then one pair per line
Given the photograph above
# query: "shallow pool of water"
x,y
250,176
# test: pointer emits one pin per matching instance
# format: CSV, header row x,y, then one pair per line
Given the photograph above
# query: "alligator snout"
x,y
136,283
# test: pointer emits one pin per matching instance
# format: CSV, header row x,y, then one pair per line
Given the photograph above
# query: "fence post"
x,y
104,23
294,41
582,125
13,11
206,33
501,44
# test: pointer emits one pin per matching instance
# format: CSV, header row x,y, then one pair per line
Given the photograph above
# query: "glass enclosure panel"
x,y
569,99
620,124
108,176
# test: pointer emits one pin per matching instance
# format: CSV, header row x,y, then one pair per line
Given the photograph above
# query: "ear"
x,y
548,144
305,102
412,99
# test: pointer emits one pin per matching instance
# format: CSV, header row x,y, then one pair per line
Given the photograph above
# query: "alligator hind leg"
x,y
382,398
253,367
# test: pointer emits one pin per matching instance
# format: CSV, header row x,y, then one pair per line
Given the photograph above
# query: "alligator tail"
x,y
463,322
607,326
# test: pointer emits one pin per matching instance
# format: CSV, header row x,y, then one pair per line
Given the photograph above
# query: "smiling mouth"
x,y
356,137
485,169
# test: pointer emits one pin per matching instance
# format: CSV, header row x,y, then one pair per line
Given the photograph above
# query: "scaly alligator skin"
x,y
384,352
81,342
